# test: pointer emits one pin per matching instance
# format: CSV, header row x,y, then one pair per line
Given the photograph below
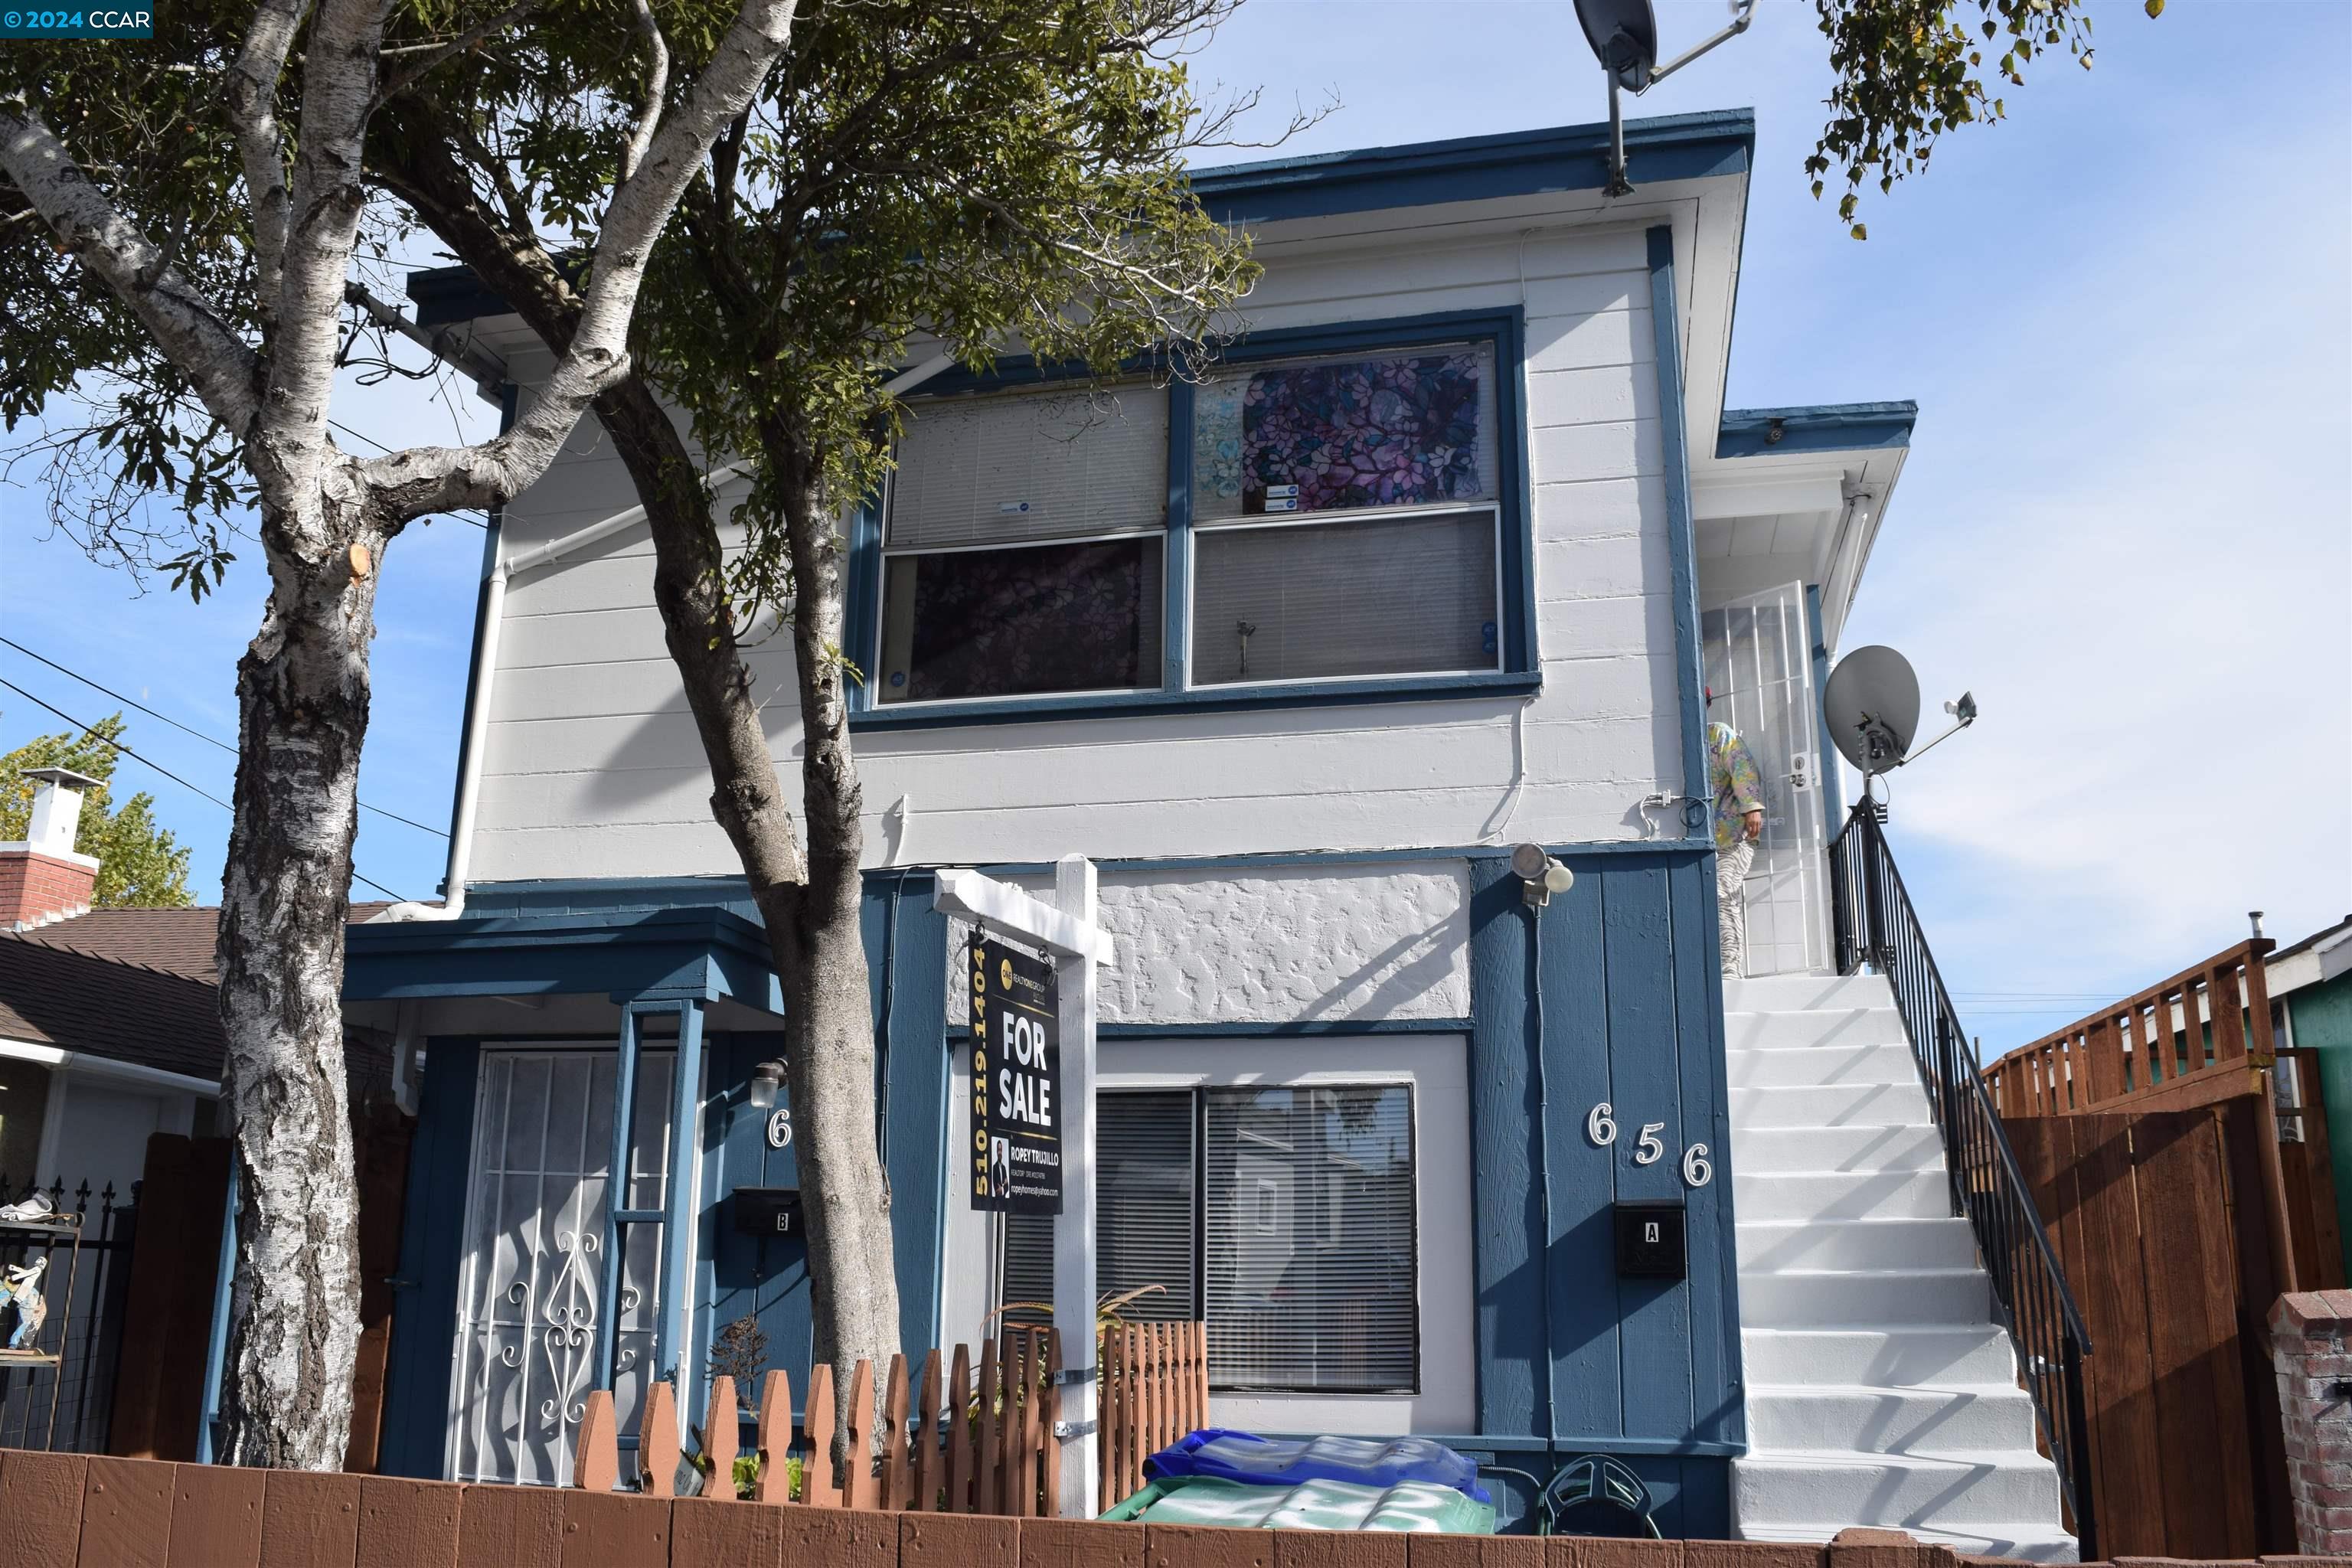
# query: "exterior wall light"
x,y
1540,875
766,1079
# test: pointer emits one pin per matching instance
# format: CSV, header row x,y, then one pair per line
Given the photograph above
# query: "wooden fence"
x,y
2145,1212
988,1448
1155,1389
2200,1038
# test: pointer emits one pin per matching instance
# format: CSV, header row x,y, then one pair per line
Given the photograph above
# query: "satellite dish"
x,y
1625,38
1872,707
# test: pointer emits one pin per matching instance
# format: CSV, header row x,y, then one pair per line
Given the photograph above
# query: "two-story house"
x,y
1443,557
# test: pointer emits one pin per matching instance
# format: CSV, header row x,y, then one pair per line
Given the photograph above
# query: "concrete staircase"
x,y
1880,1389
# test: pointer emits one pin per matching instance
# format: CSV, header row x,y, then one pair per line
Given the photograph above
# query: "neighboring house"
x,y
110,1019
2310,984
1298,716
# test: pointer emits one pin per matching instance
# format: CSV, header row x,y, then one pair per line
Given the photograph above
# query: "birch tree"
x,y
191,215
971,176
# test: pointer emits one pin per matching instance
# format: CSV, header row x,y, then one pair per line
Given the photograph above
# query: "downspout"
x,y
495,575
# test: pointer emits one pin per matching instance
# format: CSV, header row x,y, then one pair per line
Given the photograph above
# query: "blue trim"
x,y
1202,699
1521,674
424,1292
678,1226
647,953
216,1342
1682,548
862,634
616,1187
1615,997
1176,556
1719,143
1818,427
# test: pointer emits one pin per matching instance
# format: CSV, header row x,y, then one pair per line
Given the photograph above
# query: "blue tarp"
x,y
1284,1461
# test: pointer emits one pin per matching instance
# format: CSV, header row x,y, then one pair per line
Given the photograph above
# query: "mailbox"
x,y
1650,1241
767,1211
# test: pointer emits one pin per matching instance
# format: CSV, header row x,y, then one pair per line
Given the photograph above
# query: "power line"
x,y
199,734
460,514
91,732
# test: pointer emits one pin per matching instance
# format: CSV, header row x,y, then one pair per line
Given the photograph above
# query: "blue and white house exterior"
x,y
1351,1085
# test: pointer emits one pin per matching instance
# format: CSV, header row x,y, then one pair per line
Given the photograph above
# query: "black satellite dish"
x,y
1625,38
1871,707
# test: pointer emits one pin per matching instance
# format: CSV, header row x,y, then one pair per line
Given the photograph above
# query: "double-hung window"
x,y
1284,1216
1023,549
1285,523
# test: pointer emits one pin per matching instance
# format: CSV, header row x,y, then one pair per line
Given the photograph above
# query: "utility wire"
x,y
92,733
461,514
199,734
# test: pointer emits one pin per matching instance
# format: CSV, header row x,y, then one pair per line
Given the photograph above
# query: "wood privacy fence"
x,y
2187,1041
2202,1038
2147,1211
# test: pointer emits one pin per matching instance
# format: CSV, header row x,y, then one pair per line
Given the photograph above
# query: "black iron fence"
x,y
66,1406
1876,926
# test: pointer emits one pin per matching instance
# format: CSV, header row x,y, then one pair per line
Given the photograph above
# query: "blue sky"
x,y
2125,522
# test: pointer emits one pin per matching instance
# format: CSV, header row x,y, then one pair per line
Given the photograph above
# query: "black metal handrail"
x,y
1878,926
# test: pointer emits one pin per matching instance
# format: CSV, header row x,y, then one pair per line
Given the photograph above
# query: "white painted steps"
x,y
1880,1390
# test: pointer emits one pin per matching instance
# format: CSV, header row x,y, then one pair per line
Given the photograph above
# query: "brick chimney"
x,y
41,879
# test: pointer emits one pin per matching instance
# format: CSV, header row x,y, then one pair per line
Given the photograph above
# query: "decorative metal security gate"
x,y
1759,665
538,1300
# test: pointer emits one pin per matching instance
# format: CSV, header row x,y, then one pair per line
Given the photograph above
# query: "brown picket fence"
x,y
1154,1390
977,1445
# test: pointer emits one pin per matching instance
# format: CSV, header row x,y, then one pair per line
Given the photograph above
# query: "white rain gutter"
x,y
485,662
84,1065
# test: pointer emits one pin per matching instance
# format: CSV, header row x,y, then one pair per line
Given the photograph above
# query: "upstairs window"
x,y
1289,520
1024,550
1347,516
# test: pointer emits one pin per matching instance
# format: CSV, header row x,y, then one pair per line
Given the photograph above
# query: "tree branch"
x,y
454,48
251,92
218,361
656,91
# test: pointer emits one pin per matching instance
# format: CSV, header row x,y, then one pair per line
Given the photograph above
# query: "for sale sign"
x,y
1016,1081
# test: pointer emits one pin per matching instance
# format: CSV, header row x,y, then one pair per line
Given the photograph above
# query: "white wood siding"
x,y
593,769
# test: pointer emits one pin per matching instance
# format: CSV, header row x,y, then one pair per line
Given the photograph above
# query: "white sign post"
x,y
1066,930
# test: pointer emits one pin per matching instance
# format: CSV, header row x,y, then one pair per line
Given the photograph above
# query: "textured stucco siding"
x,y
1285,945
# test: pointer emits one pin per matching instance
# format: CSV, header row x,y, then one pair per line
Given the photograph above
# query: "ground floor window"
x,y
1283,1215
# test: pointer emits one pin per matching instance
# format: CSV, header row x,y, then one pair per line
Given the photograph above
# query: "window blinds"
x,y
1367,596
1144,1213
1307,1238
1009,469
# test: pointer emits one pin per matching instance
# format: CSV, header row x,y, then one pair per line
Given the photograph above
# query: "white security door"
x,y
532,1287
1759,665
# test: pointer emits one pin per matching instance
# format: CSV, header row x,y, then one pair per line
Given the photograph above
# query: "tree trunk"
x,y
302,694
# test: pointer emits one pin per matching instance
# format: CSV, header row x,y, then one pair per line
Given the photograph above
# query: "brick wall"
x,y
35,888
2309,1330
66,1510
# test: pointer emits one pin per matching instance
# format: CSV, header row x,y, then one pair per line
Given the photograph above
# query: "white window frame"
x,y
1436,1067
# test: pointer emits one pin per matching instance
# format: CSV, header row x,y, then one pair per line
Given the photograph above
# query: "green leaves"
x,y
138,863
1907,71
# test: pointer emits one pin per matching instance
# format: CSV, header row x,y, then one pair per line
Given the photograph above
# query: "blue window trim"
x,y
1521,672
1682,544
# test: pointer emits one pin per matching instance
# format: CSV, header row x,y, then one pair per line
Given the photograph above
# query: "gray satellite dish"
x,y
1625,38
1871,707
